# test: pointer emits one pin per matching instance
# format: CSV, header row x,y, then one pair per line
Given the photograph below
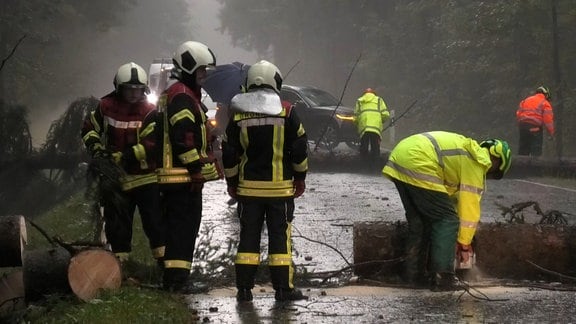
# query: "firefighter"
x,y
370,114
120,129
533,114
265,163
440,177
187,162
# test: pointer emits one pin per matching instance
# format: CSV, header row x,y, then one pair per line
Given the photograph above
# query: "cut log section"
x,y
506,251
11,292
45,272
92,270
12,240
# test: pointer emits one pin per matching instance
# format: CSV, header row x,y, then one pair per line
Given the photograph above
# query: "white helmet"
x,y
130,74
264,74
191,55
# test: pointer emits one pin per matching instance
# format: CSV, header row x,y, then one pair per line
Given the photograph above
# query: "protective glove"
x,y
299,187
197,182
101,154
464,252
232,192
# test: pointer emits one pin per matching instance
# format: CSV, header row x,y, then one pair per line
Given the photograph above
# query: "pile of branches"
x,y
515,214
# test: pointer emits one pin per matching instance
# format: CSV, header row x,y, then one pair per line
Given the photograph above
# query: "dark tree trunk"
x,y
12,240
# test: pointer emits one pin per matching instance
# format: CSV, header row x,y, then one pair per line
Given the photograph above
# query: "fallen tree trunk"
x,y
11,293
502,250
45,272
92,270
12,240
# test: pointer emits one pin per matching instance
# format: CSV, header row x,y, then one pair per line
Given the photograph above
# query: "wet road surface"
x,y
322,235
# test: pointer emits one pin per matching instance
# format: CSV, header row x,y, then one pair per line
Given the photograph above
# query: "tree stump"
x,y
11,292
502,250
45,272
12,240
92,270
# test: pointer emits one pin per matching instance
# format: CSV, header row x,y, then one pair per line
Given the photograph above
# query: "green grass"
x,y
72,221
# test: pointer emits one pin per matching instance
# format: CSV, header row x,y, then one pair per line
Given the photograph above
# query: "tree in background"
x,y
468,63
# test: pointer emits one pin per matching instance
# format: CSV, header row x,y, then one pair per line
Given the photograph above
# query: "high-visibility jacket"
x,y
536,110
444,162
370,114
263,154
185,137
123,128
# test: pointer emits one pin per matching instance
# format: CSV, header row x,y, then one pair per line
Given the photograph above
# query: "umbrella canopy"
x,y
225,81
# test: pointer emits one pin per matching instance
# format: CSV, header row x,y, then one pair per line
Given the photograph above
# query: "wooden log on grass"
x,y
11,292
12,240
45,272
93,270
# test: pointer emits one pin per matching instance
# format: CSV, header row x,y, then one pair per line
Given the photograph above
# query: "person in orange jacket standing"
x,y
534,113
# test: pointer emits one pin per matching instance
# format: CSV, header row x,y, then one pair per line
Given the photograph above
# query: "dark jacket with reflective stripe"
x,y
182,127
263,154
117,126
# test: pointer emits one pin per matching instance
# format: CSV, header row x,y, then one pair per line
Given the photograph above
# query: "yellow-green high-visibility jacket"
x,y
444,162
370,114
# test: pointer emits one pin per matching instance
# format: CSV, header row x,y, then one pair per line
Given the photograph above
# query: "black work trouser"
x,y
432,231
530,139
370,146
120,218
182,214
278,214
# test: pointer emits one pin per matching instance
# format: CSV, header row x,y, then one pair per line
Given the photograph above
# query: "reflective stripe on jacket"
x,y
370,114
444,162
536,110
262,154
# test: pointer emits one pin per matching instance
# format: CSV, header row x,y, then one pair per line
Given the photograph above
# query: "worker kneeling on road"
x,y
440,177
265,163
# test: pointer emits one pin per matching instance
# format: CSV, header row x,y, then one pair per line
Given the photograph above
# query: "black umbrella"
x,y
225,81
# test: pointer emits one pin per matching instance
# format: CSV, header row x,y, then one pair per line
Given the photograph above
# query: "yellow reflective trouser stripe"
x,y
280,260
301,167
133,181
189,156
180,264
248,258
122,256
158,252
231,172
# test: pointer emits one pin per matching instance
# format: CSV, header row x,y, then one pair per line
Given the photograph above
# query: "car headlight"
x,y
344,117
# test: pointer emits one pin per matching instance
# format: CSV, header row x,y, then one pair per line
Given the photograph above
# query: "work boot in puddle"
x,y
446,281
289,294
244,295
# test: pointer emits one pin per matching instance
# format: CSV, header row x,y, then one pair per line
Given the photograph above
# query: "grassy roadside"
x,y
71,221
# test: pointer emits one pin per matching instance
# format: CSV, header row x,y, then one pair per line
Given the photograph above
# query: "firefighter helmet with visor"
x,y
264,74
130,75
189,56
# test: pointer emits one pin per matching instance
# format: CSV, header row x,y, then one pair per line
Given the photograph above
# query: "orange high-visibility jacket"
x,y
537,111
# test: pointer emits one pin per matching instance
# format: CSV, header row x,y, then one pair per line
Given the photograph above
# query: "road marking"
x,y
545,185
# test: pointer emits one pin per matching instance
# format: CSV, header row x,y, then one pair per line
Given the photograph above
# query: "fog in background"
x,y
132,42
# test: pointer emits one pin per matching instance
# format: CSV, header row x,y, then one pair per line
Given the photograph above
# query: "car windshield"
x,y
318,97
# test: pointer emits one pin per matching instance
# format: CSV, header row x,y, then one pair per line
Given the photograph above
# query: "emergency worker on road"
x,y
121,129
440,177
370,114
187,162
533,114
265,163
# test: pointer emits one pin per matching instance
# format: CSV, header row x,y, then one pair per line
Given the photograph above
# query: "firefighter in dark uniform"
x,y
187,161
265,163
121,129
